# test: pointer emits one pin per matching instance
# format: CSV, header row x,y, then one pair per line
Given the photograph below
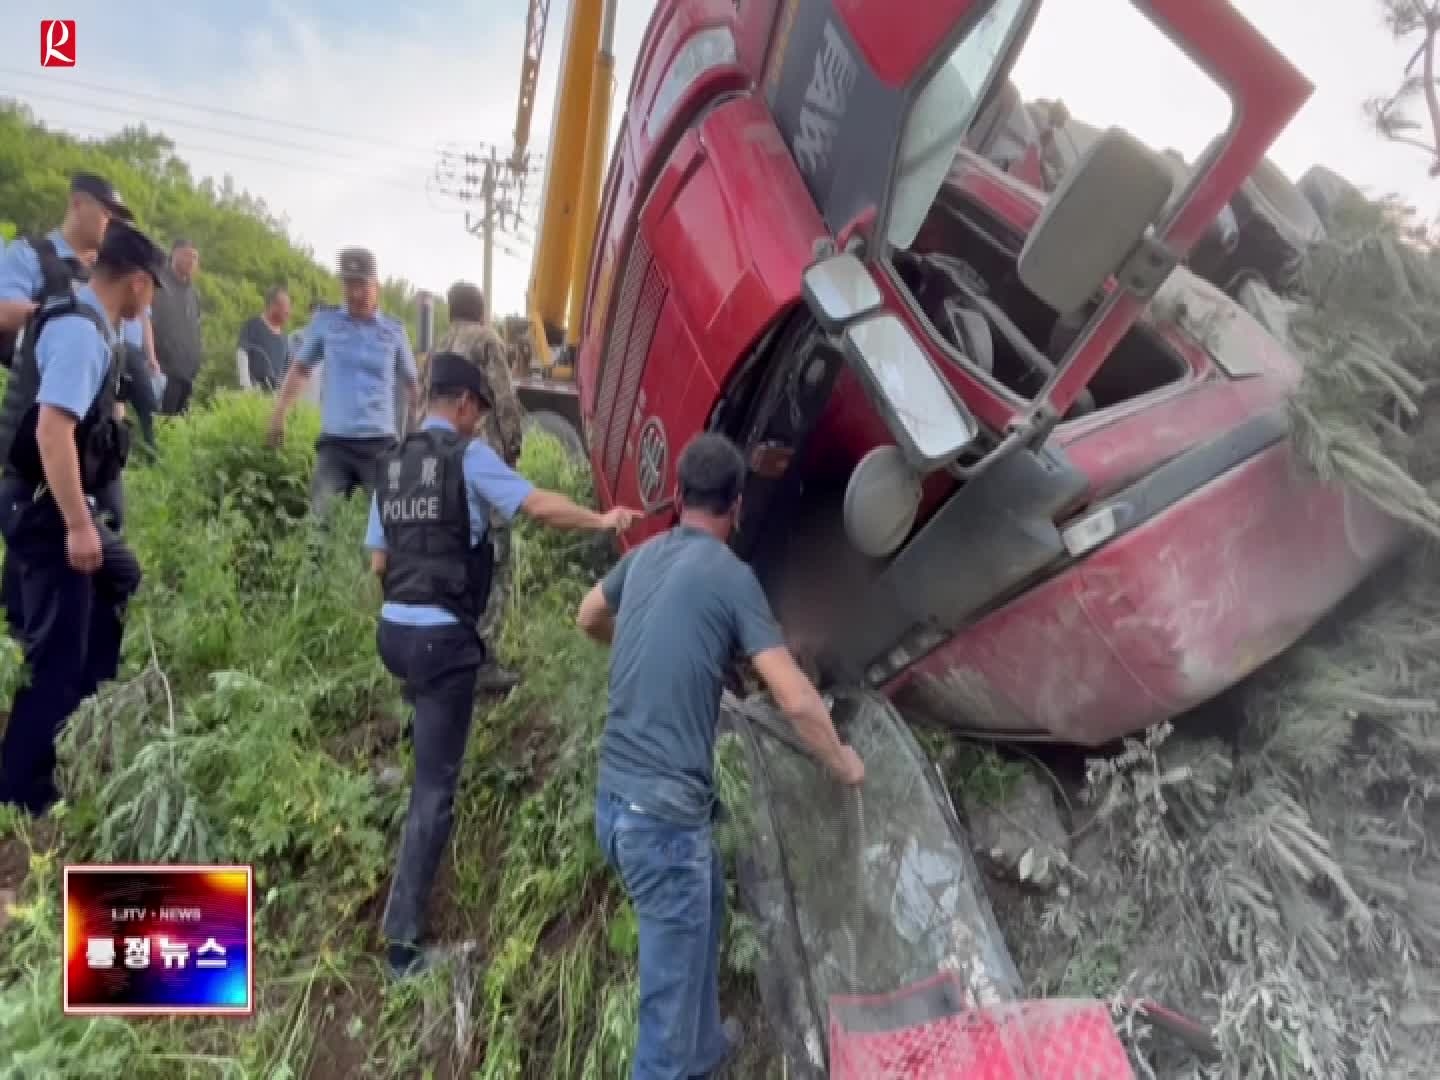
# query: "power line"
x,y
100,106
217,110
388,181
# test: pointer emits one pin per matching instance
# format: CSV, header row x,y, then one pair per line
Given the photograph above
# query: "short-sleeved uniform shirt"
x,y
685,607
20,274
74,358
489,484
132,331
363,360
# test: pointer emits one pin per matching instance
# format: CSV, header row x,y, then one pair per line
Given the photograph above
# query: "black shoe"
x,y
496,679
405,959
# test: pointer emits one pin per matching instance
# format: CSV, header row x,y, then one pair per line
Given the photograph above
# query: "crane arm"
x,y
535,21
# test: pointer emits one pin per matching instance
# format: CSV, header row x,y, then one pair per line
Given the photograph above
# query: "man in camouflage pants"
x,y
503,427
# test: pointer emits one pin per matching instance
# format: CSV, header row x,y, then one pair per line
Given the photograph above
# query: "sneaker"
x,y
496,679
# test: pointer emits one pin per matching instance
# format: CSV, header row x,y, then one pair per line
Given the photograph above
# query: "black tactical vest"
x,y
58,276
425,514
101,441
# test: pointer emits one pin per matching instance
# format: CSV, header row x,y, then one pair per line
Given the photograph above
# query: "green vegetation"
x,y
244,247
1282,882
252,723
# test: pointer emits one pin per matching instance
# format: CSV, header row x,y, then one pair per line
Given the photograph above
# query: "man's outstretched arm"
x,y
802,704
561,512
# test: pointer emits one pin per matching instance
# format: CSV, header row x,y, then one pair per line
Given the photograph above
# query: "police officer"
x,y
31,264
470,335
429,546
61,445
365,352
35,268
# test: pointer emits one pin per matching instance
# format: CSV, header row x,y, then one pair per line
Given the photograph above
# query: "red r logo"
x,y
57,42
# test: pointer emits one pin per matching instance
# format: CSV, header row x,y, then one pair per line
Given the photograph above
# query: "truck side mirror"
x,y
1094,220
838,290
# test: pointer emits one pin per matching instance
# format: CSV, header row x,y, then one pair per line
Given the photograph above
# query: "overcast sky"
x,y
363,95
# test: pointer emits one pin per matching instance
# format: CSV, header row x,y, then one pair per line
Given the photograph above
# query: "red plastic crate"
x,y
926,1032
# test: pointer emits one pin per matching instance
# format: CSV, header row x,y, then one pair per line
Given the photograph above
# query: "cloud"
x,y
402,80
401,84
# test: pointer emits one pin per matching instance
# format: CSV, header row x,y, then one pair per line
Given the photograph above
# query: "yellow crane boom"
x,y
575,168
535,22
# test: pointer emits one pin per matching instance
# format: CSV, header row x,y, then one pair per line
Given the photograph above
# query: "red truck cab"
x,y
1010,461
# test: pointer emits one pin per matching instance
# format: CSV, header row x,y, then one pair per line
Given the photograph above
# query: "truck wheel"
x,y
558,428
1277,224
1327,191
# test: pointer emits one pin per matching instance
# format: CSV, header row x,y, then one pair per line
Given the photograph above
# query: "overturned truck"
x,y
1013,465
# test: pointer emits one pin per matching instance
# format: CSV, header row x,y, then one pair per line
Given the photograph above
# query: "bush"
x,y
252,724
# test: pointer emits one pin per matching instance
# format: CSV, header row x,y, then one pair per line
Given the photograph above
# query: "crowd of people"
x,y
95,318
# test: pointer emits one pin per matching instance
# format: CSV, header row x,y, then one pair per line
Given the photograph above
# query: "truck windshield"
x,y
943,114
956,228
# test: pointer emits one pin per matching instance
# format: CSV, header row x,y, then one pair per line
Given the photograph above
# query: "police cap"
x,y
357,264
103,192
451,371
126,248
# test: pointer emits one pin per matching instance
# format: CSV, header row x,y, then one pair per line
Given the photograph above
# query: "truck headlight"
x,y
929,422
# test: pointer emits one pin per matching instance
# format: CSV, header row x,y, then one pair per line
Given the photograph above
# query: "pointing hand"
x,y
620,518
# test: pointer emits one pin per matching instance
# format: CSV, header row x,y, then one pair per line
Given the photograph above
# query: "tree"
x,y
1417,20
245,248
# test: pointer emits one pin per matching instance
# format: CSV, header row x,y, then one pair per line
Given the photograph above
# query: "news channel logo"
x,y
159,940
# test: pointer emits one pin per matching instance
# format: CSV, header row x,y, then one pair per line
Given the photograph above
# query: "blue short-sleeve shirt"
x,y
20,275
73,356
489,483
132,331
363,359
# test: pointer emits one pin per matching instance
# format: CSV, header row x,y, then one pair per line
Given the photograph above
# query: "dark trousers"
x,y
176,398
111,506
141,397
70,625
438,666
343,465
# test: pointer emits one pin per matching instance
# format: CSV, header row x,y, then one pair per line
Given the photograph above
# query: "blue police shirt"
x,y
361,358
74,358
20,276
132,331
489,482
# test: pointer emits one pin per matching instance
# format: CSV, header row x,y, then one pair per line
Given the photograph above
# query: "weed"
x,y
250,670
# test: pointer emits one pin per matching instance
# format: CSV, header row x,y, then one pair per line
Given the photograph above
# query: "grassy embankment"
x,y
253,725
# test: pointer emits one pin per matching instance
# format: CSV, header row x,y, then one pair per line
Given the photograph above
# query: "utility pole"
x,y
489,182
487,191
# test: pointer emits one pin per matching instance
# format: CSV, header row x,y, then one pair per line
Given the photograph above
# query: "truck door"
x,y
874,107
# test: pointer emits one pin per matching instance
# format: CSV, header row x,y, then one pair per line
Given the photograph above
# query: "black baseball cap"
x,y
451,371
357,264
103,192
126,248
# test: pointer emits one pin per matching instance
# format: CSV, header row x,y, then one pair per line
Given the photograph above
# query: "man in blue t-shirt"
x,y
679,609
428,540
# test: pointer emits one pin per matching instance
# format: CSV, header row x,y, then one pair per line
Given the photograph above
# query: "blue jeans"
x,y
675,878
